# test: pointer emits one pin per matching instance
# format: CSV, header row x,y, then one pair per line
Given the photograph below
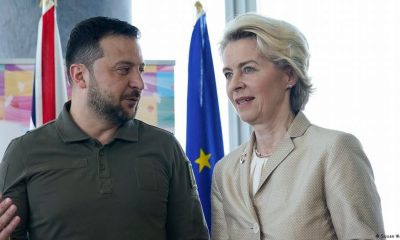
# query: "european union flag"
x,y
204,144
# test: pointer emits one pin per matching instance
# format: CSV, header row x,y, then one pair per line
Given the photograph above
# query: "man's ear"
x,y
76,72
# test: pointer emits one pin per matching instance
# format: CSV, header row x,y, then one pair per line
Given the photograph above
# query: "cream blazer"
x,y
318,184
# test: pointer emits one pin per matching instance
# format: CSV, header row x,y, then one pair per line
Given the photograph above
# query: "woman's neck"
x,y
271,133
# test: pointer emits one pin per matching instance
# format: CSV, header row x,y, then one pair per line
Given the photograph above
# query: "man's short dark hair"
x,y
84,41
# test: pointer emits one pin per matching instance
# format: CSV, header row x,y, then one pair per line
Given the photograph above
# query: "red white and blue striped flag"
x,y
49,89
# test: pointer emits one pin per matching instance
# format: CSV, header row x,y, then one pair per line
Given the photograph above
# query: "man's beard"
x,y
100,102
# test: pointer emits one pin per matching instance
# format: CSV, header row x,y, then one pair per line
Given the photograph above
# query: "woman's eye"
x,y
248,69
228,75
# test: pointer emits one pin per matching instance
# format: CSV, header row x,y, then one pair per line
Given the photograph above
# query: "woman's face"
x,y
255,86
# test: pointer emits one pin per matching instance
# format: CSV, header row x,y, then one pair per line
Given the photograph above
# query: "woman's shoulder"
x,y
329,133
330,137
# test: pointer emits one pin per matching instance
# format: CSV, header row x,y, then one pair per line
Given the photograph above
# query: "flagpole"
x,y
44,4
199,8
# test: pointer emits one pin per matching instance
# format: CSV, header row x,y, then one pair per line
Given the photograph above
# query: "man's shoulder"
x,y
154,132
43,132
32,139
44,129
148,127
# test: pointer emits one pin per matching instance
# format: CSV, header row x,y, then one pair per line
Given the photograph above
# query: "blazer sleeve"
x,y
185,219
351,194
219,229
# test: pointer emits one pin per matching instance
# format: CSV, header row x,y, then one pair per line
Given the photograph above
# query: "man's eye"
x,y
123,71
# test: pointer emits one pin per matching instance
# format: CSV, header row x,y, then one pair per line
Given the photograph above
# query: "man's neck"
x,y
92,125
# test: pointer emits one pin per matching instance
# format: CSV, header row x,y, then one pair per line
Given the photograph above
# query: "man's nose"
x,y
136,80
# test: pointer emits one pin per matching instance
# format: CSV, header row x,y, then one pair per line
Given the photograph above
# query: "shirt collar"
x,y
70,132
129,131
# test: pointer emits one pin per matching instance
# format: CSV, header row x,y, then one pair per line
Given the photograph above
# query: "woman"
x,y
292,179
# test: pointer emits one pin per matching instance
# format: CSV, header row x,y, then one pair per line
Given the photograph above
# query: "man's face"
x,y
116,80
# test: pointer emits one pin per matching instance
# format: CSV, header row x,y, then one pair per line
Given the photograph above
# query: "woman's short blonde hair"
x,y
279,42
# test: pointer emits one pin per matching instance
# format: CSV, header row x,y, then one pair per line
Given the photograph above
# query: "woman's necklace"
x,y
261,155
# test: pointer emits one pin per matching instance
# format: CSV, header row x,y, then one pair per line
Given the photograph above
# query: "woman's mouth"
x,y
243,100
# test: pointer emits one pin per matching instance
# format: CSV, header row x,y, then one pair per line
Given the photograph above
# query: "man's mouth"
x,y
133,99
134,96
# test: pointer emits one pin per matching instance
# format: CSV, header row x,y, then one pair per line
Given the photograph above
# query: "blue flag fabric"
x,y
204,144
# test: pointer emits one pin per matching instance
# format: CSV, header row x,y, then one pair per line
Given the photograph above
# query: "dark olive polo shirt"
x,y
67,185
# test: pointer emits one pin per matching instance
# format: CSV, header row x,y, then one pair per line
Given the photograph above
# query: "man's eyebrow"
x,y
128,63
124,63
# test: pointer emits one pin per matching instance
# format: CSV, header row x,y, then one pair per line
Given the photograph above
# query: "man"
x,y
96,172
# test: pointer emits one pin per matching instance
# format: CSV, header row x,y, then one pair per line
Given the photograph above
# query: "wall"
x,y
19,21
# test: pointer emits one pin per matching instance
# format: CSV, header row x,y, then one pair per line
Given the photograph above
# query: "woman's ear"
x,y
76,72
292,77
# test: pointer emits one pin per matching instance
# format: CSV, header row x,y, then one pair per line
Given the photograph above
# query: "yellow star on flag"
x,y
203,160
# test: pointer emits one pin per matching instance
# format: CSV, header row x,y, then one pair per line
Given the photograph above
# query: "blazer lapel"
x,y
276,158
298,127
244,176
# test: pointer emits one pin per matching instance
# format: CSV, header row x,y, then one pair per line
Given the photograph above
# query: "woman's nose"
x,y
236,83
